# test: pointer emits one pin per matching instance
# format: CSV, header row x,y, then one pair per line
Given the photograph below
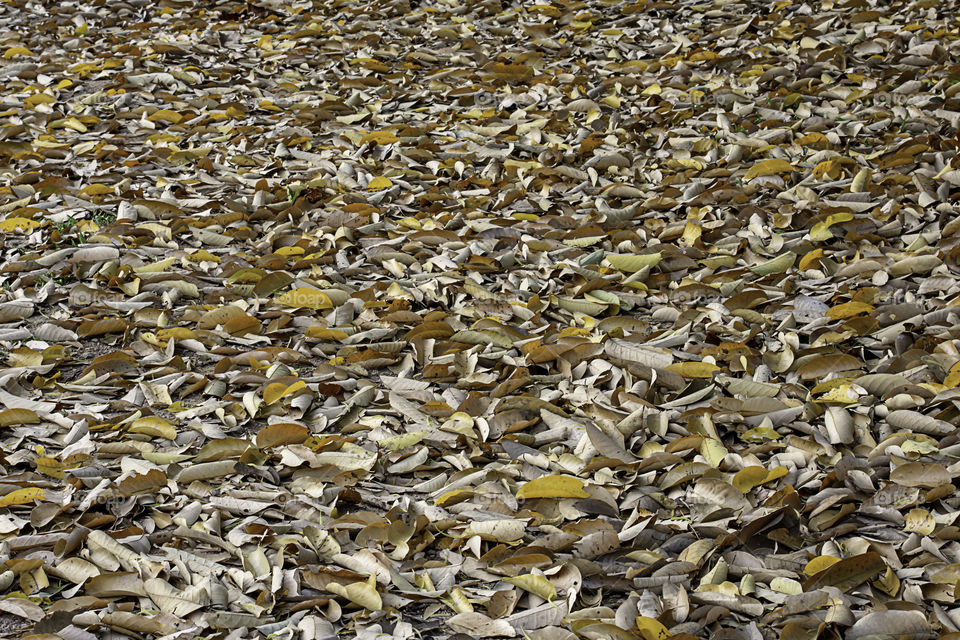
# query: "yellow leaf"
x,y
776,265
304,298
401,441
820,563
25,357
776,473
758,434
57,468
39,98
691,232
842,394
694,369
202,256
154,426
889,583
651,629
379,183
96,189
219,316
827,168
919,520
690,163
14,52
453,497
459,602
553,487
808,260
325,334
848,310
50,466
812,138
726,587
48,142
281,433
920,446
10,417
176,333
713,451
950,574
535,584
157,267
362,593
754,476
786,585
83,68
861,180
459,422
247,275
820,232
768,168
68,123
633,263
278,390
379,137
18,225
749,477
829,385
165,115
22,496
952,380
472,114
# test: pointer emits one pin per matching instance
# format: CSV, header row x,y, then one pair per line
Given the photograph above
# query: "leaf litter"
x,y
568,319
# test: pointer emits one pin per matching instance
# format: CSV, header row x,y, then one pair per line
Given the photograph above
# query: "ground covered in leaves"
x,y
460,319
